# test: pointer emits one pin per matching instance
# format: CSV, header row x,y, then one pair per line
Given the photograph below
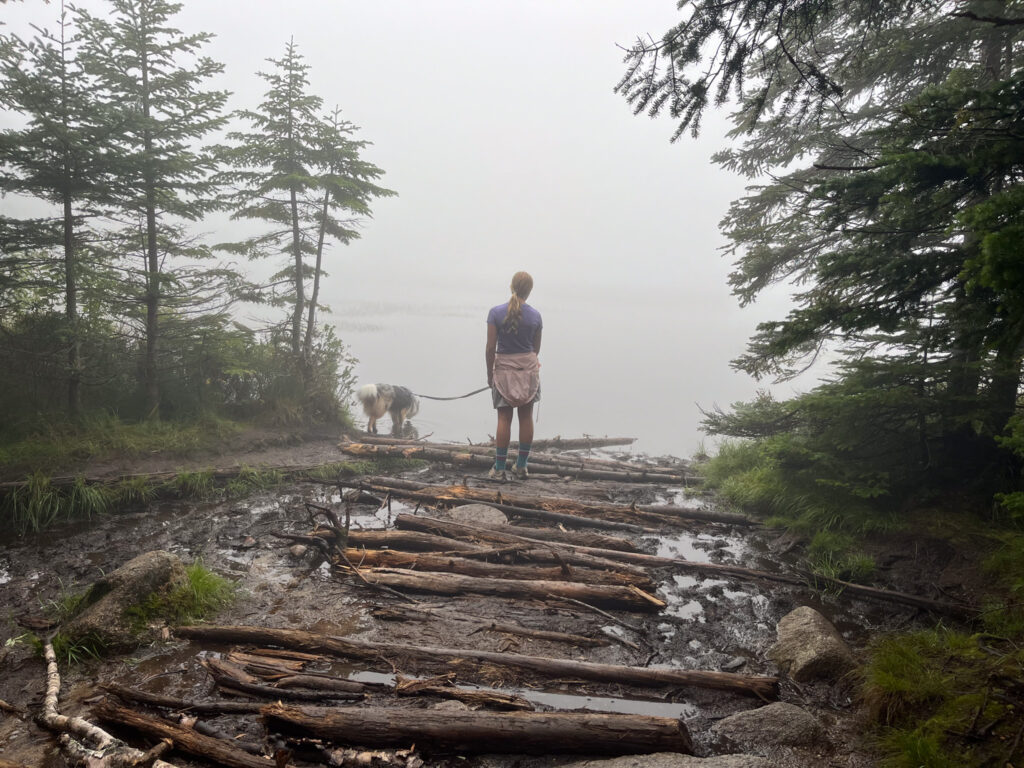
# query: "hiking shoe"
x,y
498,475
520,473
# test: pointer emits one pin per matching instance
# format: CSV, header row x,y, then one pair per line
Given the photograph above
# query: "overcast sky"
x,y
496,124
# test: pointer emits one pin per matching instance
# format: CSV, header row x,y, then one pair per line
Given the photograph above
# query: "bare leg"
x,y
504,432
525,424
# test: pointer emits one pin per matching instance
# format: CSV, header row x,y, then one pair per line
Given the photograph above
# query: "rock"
x,y
673,760
101,617
477,514
776,725
298,551
450,705
810,648
732,664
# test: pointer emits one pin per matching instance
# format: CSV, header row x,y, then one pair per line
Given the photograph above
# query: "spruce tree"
x,y
156,77
302,174
879,134
57,157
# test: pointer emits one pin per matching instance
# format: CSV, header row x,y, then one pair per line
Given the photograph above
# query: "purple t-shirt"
x,y
529,324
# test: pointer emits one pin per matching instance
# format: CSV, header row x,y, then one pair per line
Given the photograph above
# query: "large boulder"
x,y
104,618
810,648
673,760
776,725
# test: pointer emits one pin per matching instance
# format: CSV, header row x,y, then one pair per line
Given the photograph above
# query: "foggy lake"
x,y
615,361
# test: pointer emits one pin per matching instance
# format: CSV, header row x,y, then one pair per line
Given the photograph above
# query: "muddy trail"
x,y
684,620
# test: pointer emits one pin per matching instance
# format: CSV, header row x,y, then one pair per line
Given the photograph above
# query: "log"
x,y
423,561
185,739
585,538
568,462
465,733
445,688
570,444
233,678
805,581
409,541
460,458
538,551
763,687
181,705
419,613
426,497
622,598
460,494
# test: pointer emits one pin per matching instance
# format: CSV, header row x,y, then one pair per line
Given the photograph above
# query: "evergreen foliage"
x,y
108,300
889,170
155,74
302,174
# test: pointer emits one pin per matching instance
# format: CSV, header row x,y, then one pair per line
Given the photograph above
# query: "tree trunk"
x,y
307,345
460,494
764,687
378,558
300,297
465,733
622,598
179,705
185,740
461,458
71,312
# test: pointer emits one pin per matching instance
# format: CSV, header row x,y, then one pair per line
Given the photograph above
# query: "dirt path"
x,y
708,623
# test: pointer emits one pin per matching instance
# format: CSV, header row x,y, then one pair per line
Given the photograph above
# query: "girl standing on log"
x,y
513,373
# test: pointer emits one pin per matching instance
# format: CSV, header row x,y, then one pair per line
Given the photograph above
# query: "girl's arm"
x,y
492,346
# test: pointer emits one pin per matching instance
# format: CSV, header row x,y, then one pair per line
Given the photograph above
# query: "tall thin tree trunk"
x,y
307,347
71,313
152,256
300,299
70,274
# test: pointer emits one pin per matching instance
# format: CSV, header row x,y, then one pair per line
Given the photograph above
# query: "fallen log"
x,y
444,687
181,705
423,561
584,538
537,457
466,733
622,598
83,743
457,494
413,541
404,613
464,459
232,678
527,549
572,519
569,444
763,687
184,739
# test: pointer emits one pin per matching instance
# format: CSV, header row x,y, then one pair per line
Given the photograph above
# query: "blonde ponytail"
x,y
522,284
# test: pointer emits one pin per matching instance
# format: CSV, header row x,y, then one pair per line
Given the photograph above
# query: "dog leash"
x,y
459,397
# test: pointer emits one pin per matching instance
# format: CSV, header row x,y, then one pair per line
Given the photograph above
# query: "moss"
x,y
933,691
204,593
837,556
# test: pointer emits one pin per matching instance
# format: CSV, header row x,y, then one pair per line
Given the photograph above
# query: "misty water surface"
x,y
613,362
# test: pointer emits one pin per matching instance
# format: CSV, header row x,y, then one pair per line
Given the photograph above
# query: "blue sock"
x,y
500,458
524,455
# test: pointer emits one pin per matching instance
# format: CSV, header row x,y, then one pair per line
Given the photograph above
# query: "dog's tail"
x,y
367,393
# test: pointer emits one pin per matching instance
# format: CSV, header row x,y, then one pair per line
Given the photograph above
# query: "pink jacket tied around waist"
x,y
517,377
